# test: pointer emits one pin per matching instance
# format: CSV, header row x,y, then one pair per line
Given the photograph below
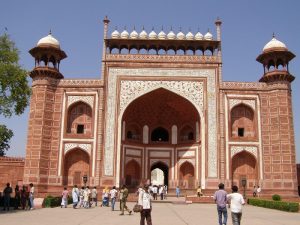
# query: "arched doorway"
x,y
186,175
132,173
160,170
244,166
76,165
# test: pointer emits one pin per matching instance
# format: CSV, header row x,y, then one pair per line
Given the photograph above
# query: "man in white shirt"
x,y
155,190
145,201
113,196
236,202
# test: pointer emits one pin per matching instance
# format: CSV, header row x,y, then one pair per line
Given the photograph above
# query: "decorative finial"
x,y
198,29
162,27
133,27
116,27
180,29
106,20
124,27
171,28
189,29
50,32
153,28
273,35
143,27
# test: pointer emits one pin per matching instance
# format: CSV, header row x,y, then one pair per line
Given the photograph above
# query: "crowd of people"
x,y
85,197
23,197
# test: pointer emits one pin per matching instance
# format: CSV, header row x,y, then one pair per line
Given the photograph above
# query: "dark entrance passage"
x,y
160,166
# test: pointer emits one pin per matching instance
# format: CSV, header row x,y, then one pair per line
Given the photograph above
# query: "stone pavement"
x,y
162,214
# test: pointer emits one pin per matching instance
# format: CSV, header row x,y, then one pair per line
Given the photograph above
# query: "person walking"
x,y
113,196
123,200
31,196
81,194
24,197
258,191
161,192
177,190
155,190
7,192
94,196
75,196
64,198
17,197
254,191
236,202
144,200
220,198
199,191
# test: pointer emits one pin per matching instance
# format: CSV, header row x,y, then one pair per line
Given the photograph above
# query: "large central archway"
x,y
153,125
157,167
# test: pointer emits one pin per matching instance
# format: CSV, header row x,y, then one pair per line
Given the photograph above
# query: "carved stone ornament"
x,y
191,90
237,149
81,98
248,102
85,147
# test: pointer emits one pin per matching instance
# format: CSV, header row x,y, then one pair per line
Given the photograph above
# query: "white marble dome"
x,y
198,36
143,34
274,43
49,40
124,34
180,36
115,34
152,35
189,36
162,35
208,36
134,35
171,35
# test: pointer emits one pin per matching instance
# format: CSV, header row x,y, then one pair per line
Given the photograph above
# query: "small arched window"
x,y
160,134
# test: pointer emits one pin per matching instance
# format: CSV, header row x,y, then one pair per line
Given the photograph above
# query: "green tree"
x,y
5,136
14,89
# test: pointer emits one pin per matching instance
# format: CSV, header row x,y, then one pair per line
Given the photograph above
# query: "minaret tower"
x,y
278,145
47,55
275,59
41,165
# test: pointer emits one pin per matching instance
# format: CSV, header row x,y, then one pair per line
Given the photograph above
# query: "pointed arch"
x,y
76,165
132,173
187,175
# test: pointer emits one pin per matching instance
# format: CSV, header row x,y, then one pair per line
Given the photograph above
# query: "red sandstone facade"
x,y
157,108
11,171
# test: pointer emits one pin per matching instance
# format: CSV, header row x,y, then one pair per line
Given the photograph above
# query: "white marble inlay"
x,y
169,73
182,154
85,147
81,98
159,154
234,102
237,149
133,152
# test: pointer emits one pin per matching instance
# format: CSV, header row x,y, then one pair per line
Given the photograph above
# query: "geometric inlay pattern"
x,y
236,149
85,147
234,102
87,99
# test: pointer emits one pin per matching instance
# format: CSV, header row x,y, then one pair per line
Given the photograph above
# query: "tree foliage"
x,y
14,89
5,136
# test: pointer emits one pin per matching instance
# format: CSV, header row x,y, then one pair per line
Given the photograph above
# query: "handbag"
x,y
137,208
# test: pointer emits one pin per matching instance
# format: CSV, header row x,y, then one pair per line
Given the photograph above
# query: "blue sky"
x,y
247,27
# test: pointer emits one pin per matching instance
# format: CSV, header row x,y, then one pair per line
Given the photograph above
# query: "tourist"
x,y
86,197
123,200
161,192
105,197
31,196
154,190
17,197
145,201
199,191
258,191
113,196
64,199
165,191
81,193
177,190
24,197
236,202
94,196
75,196
7,192
220,198
254,191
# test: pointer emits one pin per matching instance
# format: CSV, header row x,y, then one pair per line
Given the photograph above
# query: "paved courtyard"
x,y
162,214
